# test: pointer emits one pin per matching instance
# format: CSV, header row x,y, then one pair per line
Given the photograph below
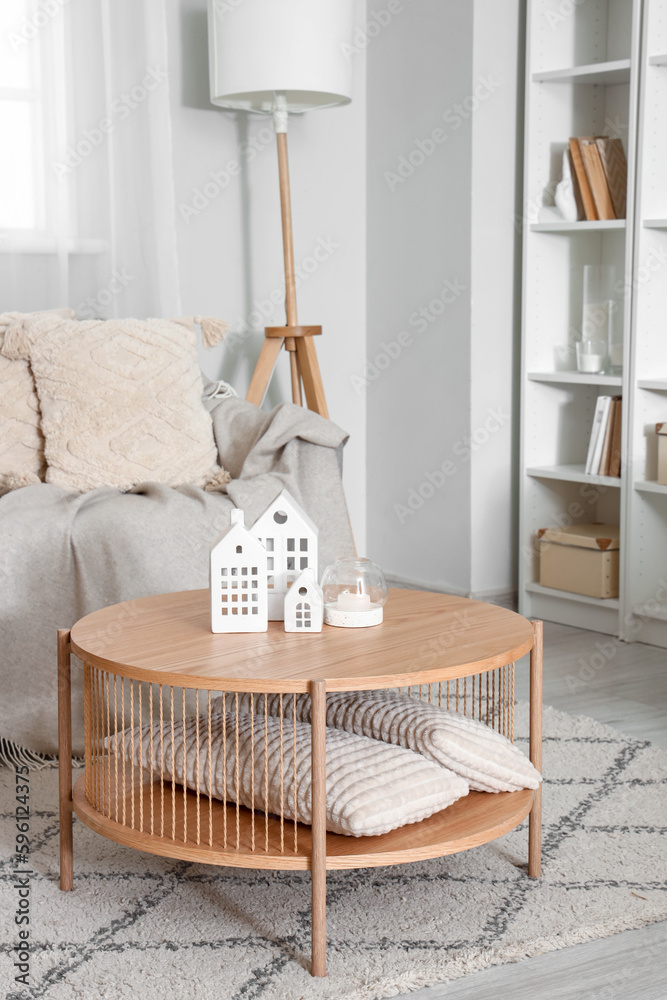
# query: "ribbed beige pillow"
x,y
485,758
22,460
371,787
120,401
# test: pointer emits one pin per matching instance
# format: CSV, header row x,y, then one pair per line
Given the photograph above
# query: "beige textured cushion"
x,y
371,787
21,442
486,759
120,401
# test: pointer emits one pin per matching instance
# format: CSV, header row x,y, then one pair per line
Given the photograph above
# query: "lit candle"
x,y
354,602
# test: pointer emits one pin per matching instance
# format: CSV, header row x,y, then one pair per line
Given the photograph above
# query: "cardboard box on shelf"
x,y
582,559
661,431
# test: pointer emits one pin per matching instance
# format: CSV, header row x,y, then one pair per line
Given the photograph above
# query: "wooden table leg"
x,y
535,819
65,760
319,856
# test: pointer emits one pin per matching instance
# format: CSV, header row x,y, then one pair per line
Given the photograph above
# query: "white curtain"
x,y
87,212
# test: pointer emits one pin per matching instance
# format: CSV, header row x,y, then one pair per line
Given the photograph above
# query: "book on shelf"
x,y
604,448
598,431
615,449
599,177
615,167
596,177
581,184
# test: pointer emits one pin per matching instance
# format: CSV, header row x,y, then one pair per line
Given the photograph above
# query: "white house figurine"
x,y
304,604
238,580
290,540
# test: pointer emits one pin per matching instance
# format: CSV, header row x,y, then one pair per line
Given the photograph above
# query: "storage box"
x,y
661,431
582,559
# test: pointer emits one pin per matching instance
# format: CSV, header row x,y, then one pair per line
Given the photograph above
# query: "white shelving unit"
x,y
582,78
645,523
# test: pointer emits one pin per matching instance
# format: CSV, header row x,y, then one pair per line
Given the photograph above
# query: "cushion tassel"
x,y
212,330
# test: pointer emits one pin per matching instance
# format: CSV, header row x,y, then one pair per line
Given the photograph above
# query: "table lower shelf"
x,y
476,819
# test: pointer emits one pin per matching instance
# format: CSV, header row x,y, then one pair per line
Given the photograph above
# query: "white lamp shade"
x,y
299,50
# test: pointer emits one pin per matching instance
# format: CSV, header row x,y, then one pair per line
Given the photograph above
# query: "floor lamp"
x,y
282,57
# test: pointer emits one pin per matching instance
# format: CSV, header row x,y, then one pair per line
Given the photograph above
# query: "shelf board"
x,y
577,378
658,60
576,227
571,474
657,384
644,611
650,486
654,223
617,71
598,602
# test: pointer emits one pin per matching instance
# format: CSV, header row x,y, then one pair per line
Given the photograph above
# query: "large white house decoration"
x,y
304,605
290,540
238,580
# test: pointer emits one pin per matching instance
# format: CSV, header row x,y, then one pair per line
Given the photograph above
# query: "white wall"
x,y
419,67
447,397
495,303
230,249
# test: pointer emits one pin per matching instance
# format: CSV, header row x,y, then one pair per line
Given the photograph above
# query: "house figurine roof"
x,y
306,578
236,531
285,502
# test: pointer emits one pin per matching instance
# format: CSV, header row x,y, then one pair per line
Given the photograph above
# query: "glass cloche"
x,y
355,592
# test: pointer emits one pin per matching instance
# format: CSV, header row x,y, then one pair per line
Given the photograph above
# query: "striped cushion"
x,y
371,787
486,759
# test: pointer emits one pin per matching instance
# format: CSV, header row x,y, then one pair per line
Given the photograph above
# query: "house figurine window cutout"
x,y
290,539
304,605
238,580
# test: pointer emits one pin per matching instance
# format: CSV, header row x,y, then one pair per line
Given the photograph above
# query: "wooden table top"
x,y
424,638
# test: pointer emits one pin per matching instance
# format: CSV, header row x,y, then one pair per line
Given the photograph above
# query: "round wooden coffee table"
x,y
155,659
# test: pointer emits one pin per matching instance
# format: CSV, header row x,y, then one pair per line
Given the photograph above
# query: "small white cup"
x,y
591,356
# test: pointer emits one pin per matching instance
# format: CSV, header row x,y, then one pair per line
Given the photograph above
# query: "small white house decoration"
x,y
238,580
290,540
304,605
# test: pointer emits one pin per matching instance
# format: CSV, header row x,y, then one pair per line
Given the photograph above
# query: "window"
x,y
290,562
239,549
290,544
270,583
303,562
268,545
269,562
303,545
280,517
21,116
302,613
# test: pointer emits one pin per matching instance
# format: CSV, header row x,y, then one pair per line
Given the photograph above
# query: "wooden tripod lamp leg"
x,y
65,760
319,856
535,818
312,380
264,370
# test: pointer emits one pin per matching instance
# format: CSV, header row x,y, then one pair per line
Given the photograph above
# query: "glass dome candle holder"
x,y
355,592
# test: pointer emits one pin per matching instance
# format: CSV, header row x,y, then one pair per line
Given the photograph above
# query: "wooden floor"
x,y
625,686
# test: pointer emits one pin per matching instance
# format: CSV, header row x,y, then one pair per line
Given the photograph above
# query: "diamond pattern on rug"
x,y
140,923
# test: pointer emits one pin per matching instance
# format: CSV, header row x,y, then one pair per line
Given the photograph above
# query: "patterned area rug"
x,y
143,925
